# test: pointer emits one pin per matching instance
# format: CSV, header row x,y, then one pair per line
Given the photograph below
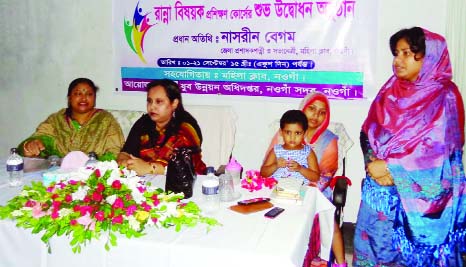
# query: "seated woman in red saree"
x,y
155,135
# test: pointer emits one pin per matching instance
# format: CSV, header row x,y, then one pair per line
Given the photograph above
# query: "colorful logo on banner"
x,y
135,31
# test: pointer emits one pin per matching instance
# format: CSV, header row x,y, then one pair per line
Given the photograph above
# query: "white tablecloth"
x,y
243,240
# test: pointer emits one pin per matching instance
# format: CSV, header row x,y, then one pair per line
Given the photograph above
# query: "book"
x,y
288,191
246,209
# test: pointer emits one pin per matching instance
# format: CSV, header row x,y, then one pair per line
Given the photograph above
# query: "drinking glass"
x,y
226,187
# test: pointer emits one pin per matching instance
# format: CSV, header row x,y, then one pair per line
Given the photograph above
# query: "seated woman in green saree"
x,y
79,127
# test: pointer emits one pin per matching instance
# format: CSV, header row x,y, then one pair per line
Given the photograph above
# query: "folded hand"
x,y
293,166
378,170
138,165
33,148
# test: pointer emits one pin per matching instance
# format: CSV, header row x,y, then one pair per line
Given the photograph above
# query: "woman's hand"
x,y
33,148
122,159
378,170
140,166
385,180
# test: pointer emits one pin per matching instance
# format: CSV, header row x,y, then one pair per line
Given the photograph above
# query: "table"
x,y
243,240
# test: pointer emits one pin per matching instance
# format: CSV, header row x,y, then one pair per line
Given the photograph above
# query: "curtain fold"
x,y
456,36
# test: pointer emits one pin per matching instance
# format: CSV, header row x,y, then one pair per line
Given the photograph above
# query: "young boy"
x,y
293,158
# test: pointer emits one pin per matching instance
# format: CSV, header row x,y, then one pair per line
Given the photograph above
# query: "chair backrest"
x,y
218,125
344,143
126,118
341,186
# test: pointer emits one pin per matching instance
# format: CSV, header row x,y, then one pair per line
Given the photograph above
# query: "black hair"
x,y
172,90
416,39
294,116
75,83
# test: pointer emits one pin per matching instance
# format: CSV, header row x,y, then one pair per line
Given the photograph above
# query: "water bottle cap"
x,y
210,169
13,150
92,155
233,165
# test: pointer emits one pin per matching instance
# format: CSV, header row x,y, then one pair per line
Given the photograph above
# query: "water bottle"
x,y
92,161
210,192
14,167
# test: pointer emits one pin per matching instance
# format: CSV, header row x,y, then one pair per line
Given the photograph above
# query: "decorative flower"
x,y
254,181
93,201
100,187
118,219
68,198
116,184
100,216
141,215
96,196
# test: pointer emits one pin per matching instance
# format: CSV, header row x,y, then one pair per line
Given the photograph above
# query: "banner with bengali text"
x,y
274,48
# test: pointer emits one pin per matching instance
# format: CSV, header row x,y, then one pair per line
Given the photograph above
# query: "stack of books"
x,y
288,191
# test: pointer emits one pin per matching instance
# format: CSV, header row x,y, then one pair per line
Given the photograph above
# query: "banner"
x,y
265,48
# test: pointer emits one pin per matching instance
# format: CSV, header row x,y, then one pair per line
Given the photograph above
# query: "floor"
x,y
348,234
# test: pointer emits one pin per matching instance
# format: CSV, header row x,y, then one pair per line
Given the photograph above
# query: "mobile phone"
x,y
253,200
273,212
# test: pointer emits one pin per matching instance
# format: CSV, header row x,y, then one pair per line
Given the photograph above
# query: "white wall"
x,y
46,44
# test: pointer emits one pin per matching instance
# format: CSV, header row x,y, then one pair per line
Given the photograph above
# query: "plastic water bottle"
x,y
92,161
210,192
14,167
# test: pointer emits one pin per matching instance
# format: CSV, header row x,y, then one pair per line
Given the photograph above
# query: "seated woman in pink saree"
x,y
325,145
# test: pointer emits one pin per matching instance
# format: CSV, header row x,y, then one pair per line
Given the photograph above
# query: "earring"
x,y
173,115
